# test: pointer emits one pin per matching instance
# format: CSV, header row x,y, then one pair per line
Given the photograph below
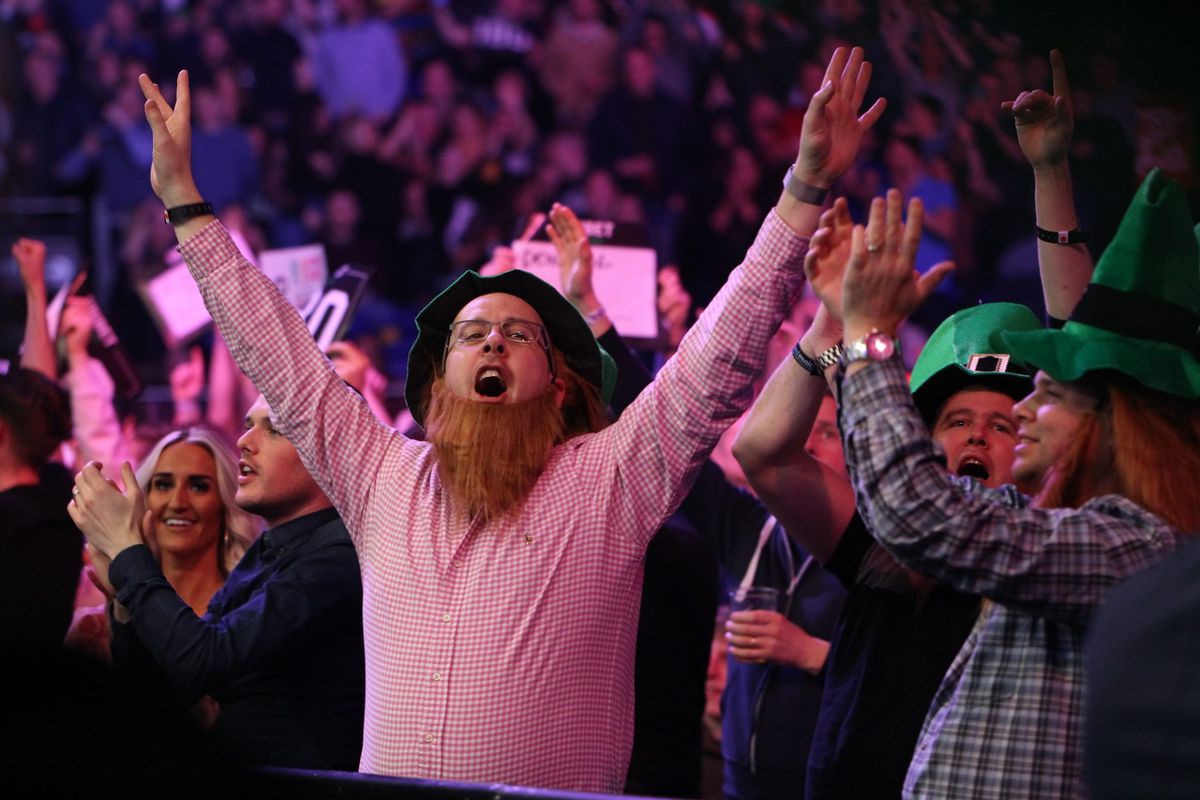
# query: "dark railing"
x,y
302,784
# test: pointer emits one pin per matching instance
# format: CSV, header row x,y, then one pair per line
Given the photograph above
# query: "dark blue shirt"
x,y
280,647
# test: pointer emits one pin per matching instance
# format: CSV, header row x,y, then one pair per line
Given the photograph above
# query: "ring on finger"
x,y
874,248
75,491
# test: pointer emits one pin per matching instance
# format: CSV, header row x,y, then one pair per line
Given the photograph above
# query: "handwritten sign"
x,y
624,273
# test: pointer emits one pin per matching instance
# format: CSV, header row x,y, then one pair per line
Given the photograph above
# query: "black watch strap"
x,y
181,214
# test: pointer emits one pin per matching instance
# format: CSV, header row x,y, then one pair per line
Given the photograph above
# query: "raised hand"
x,y
171,170
110,518
825,262
30,255
1044,121
75,326
574,254
832,129
881,286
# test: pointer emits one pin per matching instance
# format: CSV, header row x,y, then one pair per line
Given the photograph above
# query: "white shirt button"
x,y
445,617
437,676
429,737
458,562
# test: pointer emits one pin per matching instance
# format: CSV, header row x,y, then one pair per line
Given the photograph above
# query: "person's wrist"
x,y
1054,169
184,195
856,329
811,175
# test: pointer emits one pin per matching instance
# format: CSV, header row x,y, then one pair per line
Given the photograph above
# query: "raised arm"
x,y
94,420
1057,563
1044,124
813,502
37,352
672,427
267,338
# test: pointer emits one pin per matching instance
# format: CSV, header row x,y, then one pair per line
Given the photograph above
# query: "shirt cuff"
x,y
779,245
209,250
877,387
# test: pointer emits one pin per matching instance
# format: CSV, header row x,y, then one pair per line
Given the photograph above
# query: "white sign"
x,y
299,272
175,301
625,279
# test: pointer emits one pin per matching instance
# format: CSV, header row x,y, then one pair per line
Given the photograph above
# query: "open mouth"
x,y
973,468
490,383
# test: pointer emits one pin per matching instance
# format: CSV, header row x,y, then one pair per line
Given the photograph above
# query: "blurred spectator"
x,y
359,64
225,163
49,120
270,51
578,59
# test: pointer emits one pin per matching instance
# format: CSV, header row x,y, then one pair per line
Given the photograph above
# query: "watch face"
x,y
880,347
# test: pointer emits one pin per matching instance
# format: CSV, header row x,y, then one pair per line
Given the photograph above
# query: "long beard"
x,y
491,455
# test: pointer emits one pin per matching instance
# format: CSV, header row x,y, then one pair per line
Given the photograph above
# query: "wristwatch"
x,y
875,346
804,192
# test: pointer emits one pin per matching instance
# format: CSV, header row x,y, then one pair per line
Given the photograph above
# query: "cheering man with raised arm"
x,y
501,559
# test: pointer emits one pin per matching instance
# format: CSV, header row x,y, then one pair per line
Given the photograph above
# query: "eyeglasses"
x,y
474,332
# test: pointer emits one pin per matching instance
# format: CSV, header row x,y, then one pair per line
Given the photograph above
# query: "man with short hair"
x,y
502,559
280,647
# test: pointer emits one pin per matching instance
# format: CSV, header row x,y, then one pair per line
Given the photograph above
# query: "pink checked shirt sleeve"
x,y
504,652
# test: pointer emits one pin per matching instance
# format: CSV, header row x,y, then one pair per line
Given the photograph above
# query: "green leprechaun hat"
x,y
565,326
967,350
1140,315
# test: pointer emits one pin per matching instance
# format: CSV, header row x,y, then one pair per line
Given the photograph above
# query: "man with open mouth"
x,y
502,558
898,631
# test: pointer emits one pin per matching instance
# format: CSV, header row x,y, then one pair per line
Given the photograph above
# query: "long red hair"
x,y
1142,444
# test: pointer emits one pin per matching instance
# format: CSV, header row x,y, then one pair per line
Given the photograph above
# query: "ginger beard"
x,y
490,455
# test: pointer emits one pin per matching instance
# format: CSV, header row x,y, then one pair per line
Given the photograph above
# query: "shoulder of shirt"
x,y
1121,507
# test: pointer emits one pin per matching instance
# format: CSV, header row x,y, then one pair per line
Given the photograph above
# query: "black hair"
x,y
37,412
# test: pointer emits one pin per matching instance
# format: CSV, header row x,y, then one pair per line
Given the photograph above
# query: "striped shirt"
x,y
504,652
1007,719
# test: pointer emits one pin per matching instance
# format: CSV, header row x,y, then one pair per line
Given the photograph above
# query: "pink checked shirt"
x,y
504,652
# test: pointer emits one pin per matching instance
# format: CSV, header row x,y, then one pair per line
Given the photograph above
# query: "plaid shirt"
x,y
504,652
1007,719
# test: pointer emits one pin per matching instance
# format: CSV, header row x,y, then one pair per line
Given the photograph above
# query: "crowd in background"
x,y
416,137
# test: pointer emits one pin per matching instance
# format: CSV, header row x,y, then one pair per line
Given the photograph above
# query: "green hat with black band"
x,y
565,326
967,349
1140,315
